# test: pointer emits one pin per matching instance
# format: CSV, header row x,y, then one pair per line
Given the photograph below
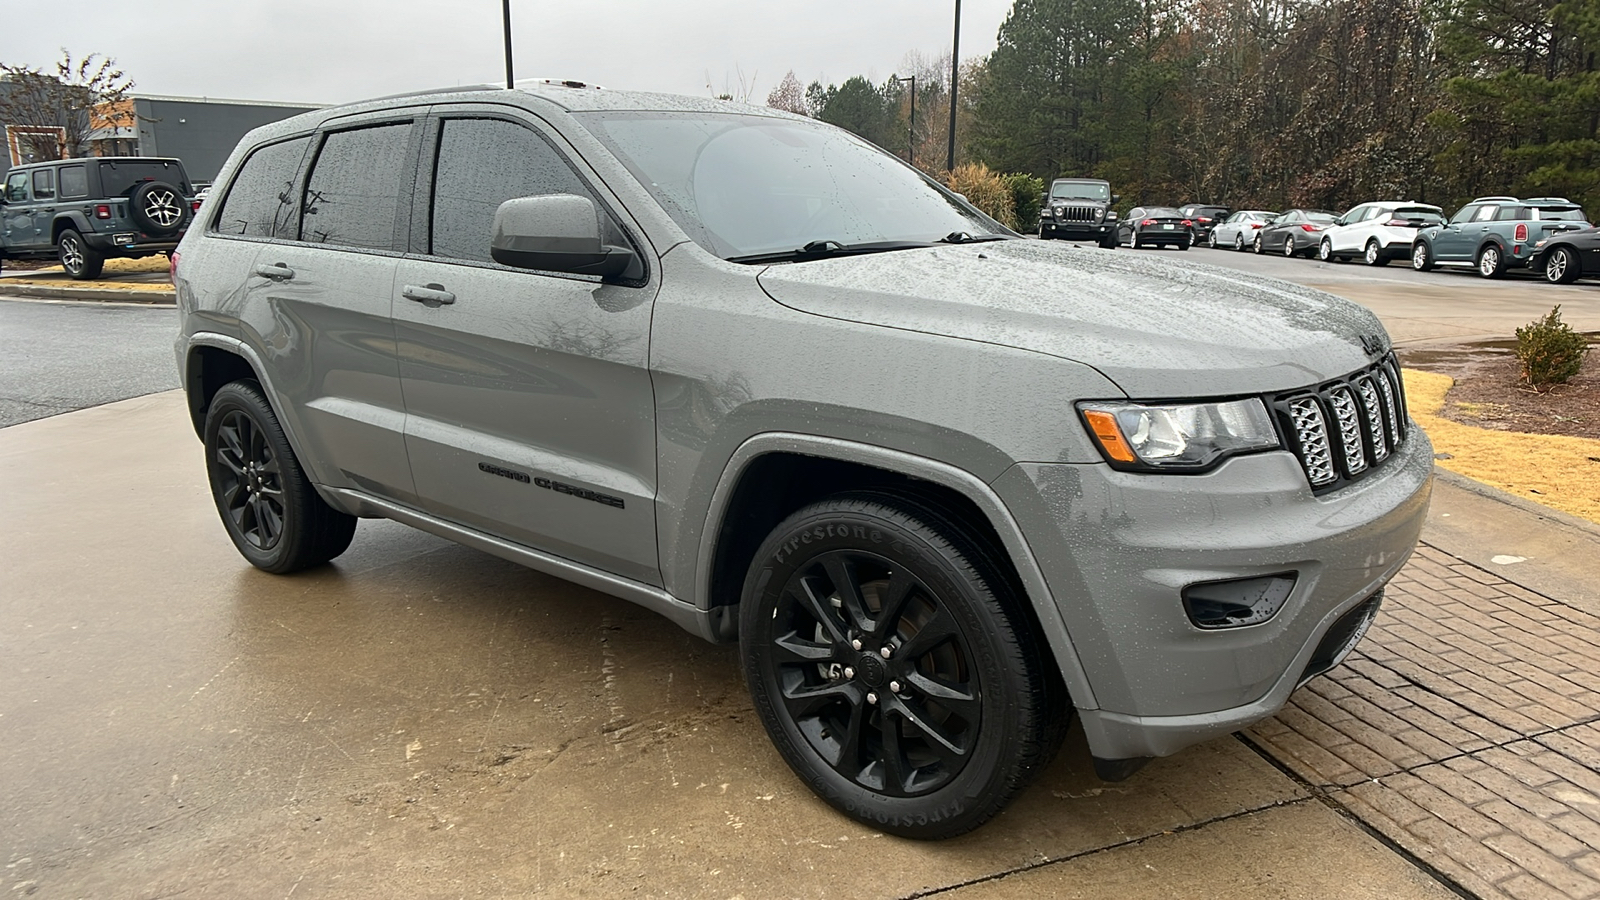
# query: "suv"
x,y
1079,209
1377,232
1202,219
753,373
82,211
1493,234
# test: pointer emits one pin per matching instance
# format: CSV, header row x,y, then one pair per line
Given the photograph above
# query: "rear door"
x,y
326,330
530,412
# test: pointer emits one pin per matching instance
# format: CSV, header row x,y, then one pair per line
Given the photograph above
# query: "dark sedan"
x,y
1154,226
1568,256
1203,218
1295,233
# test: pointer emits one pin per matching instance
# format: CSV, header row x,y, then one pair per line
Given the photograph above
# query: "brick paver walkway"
x,y
1464,728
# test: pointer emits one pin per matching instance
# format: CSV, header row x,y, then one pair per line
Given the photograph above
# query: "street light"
x,y
911,133
955,79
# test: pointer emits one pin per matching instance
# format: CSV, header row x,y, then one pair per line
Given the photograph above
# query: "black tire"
x,y
1491,261
1133,239
1238,242
1109,243
1325,251
1373,255
1421,257
1257,246
267,503
1211,240
78,259
158,207
1288,247
974,706
1562,266
1183,245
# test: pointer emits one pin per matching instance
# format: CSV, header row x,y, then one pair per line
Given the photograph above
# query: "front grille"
x,y
1343,429
1077,213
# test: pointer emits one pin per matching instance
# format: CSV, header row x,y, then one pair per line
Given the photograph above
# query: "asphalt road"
x,y
58,357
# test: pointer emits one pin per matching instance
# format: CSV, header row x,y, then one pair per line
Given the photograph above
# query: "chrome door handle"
x,y
275,272
432,296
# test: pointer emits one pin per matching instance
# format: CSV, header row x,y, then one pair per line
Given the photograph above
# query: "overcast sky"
x,y
335,51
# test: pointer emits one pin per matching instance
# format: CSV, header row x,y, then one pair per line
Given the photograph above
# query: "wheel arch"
x,y
73,220
772,475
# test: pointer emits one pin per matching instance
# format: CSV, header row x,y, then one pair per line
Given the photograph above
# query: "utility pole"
x,y
955,78
505,6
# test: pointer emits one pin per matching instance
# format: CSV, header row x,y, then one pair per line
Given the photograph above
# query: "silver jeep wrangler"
x,y
753,373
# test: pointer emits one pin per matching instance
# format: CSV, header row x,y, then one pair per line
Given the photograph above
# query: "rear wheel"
x,y
1491,264
1562,266
78,260
268,505
1374,255
1288,247
894,668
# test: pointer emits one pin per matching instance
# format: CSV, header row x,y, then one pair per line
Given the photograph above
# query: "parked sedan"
x,y
1154,226
1295,233
1239,230
1377,232
1203,218
1568,256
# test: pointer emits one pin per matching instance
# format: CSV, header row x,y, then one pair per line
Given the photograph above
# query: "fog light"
x,y
1237,602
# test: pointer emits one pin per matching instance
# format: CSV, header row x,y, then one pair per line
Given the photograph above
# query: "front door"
x,y
530,412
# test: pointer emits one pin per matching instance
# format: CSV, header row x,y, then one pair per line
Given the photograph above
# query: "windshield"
x,y
745,186
118,178
1080,190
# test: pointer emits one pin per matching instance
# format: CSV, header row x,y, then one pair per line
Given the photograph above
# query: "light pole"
x,y
505,6
955,79
911,132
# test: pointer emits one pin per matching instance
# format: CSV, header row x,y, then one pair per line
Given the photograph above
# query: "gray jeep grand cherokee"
x,y
750,372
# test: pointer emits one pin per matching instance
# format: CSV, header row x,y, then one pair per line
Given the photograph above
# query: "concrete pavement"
x,y
421,717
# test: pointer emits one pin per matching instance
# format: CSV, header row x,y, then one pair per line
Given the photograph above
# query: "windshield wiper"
x,y
961,237
823,249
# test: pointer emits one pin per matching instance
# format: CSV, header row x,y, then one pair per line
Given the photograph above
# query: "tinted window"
x,y
44,184
482,164
354,188
17,188
1464,214
263,191
74,182
118,179
1512,213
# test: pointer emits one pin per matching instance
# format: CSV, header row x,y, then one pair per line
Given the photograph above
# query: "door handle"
x,y
432,296
275,272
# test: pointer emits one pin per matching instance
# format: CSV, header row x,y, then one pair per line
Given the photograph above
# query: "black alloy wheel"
x,y
1562,266
77,259
893,667
270,509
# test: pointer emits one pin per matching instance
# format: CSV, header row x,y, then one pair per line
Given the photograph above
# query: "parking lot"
x,y
422,717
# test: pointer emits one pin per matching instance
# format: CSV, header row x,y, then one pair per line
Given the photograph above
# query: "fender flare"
x,y
62,221
973,488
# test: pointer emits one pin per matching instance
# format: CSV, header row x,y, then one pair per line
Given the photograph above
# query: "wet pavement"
x,y
421,717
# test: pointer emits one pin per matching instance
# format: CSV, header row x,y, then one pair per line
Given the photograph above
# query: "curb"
x,y
166,297
1534,508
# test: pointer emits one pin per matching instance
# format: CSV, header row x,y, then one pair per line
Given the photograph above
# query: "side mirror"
x,y
1338,221
1115,198
555,233
1044,198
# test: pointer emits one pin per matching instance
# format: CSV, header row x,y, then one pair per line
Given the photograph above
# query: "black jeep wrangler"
x,y
1079,209
81,211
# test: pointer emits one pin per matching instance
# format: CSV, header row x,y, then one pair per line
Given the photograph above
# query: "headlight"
x,y
1177,436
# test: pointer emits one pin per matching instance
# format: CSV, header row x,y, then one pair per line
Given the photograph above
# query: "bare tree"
x,y
789,96
51,115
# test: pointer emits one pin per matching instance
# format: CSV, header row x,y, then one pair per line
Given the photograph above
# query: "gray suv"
x,y
1079,209
82,211
751,372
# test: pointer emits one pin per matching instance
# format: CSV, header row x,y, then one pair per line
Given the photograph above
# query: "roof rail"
x,y
1487,199
458,89
558,82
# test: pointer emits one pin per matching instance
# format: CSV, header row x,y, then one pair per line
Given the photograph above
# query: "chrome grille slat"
x,y
1388,405
1374,419
1311,432
1345,413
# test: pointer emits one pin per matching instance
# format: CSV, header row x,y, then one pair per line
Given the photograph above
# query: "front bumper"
x,y
1118,548
1076,231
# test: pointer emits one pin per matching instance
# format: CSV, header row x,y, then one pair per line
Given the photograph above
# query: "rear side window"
x,y
354,190
44,184
1512,213
482,163
263,191
74,182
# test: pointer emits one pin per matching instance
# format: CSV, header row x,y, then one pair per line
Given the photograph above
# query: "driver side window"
x,y
17,188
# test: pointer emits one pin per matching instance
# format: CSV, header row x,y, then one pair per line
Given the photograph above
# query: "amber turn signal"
x,y
1104,427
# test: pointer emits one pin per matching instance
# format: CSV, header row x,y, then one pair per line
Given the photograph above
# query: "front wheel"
x,y
269,507
894,668
1257,246
1421,257
78,260
1325,251
1562,266
1211,241
1238,242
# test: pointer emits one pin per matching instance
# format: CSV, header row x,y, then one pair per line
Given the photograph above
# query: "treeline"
x,y
1264,103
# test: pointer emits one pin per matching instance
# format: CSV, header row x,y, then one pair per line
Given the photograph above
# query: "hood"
x,y
1159,328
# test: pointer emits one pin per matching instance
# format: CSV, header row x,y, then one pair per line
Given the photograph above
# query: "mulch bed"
x,y
1489,392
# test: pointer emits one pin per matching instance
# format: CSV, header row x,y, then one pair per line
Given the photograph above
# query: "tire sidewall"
x,y
247,398
970,794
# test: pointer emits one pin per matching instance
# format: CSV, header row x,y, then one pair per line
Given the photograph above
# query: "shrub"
x,y
1025,193
1550,351
986,190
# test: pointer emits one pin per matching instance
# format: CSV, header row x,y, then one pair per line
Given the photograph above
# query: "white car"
x,y
1377,232
1239,230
